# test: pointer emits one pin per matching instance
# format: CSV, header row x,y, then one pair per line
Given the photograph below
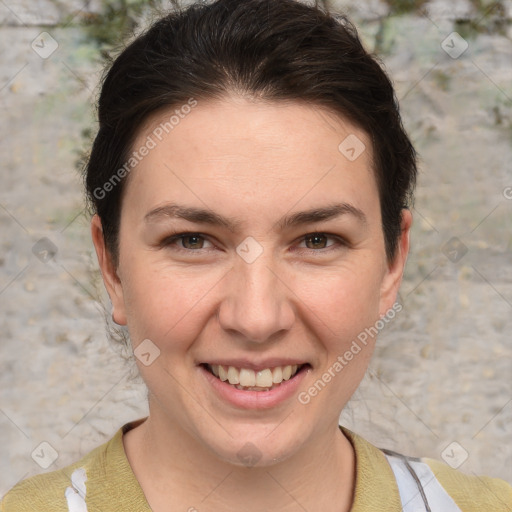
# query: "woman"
x,y
251,183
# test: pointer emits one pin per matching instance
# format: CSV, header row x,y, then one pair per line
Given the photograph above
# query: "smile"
x,y
247,379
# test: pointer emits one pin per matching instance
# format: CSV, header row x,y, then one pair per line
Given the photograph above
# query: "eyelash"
x,y
173,237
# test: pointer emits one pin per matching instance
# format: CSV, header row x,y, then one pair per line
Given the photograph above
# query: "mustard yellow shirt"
x,y
110,484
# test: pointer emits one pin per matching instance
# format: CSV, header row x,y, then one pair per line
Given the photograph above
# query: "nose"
x,y
257,304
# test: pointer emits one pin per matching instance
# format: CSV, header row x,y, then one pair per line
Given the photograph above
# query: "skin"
x,y
256,162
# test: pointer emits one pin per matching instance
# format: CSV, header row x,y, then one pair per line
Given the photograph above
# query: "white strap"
x,y
423,494
75,495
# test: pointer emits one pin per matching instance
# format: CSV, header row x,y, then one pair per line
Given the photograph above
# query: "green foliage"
x,y
405,6
490,18
441,79
118,20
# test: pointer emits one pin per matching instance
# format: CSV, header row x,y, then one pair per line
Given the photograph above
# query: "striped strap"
x,y
419,489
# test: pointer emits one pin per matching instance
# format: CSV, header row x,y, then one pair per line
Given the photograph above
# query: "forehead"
x,y
261,154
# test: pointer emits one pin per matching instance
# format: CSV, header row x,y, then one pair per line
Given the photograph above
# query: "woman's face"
x,y
252,286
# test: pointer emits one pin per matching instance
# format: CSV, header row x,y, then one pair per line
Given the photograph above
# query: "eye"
x,y
189,241
316,242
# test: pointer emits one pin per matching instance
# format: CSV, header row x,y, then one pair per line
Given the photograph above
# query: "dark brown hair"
x,y
266,49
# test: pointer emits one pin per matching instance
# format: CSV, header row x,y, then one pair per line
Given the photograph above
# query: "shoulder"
x,y
472,493
66,489
385,481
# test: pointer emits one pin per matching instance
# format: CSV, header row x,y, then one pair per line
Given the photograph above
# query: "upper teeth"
x,y
249,378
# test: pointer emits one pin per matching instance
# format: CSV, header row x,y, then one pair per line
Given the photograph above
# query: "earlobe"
x,y
108,272
395,269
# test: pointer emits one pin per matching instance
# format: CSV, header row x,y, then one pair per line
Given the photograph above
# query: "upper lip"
x,y
253,365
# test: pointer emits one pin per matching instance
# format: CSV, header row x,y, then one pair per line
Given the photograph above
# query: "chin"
x,y
254,447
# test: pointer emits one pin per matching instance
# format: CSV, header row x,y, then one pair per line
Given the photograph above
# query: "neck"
x,y
173,467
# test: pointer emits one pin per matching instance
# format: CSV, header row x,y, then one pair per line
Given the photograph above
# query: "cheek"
x,y
345,300
345,305
165,304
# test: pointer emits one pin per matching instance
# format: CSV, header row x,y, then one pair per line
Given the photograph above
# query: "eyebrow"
x,y
205,216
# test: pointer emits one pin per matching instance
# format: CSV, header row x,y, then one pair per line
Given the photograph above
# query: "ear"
x,y
395,269
108,272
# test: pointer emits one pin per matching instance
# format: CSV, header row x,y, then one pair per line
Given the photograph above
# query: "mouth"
x,y
247,379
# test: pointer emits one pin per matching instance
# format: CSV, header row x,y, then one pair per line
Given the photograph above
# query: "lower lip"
x,y
255,399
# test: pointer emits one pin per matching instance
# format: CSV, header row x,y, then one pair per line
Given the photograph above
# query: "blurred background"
x,y
440,382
